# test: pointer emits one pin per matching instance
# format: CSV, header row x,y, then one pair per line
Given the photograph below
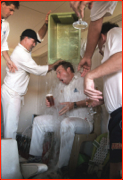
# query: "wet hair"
x,y
65,65
107,26
15,3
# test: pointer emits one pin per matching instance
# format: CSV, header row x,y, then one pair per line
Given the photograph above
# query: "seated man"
x,y
69,91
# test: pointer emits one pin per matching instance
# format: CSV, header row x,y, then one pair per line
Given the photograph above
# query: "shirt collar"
x,y
23,47
3,20
74,78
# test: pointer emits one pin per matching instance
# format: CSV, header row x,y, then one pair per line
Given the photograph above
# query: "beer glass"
x,y
50,99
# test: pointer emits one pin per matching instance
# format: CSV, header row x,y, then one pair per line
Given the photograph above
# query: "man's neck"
x,y
24,46
72,76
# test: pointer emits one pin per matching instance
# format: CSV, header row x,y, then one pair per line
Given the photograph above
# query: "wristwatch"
x,y
75,105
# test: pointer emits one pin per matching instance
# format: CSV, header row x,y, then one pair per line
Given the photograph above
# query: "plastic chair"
x,y
80,138
10,166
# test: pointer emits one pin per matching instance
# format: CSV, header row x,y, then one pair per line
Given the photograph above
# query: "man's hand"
x,y
51,66
12,67
86,65
90,90
9,63
67,107
94,103
79,6
46,18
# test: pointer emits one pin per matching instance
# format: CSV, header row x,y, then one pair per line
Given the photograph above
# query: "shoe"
x,y
35,160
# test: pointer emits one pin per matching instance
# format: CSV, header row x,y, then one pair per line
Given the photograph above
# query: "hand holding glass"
x,y
91,111
80,24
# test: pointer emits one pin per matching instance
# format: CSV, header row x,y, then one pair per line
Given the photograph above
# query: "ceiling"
x,y
31,14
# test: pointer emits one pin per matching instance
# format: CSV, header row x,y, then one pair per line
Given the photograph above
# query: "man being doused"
x,y
75,119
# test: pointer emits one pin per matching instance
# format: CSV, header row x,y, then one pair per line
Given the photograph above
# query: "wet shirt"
x,y
73,92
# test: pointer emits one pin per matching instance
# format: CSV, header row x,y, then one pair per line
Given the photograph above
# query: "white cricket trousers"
x,y
11,105
69,126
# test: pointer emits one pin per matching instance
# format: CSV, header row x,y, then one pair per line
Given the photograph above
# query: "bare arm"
x,y
112,65
95,103
92,40
9,63
93,37
43,30
70,105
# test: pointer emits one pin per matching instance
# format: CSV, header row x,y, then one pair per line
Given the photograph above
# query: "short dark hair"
x,y
15,3
65,65
22,37
107,26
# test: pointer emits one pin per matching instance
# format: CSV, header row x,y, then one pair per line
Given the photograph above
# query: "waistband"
x,y
114,113
11,90
14,92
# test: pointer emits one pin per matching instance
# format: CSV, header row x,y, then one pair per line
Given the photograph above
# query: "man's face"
x,y
7,11
30,43
63,75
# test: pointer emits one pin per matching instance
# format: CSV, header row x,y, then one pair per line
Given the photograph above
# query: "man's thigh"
x,y
80,125
45,122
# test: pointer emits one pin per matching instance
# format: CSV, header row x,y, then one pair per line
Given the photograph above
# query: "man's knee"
x,y
65,121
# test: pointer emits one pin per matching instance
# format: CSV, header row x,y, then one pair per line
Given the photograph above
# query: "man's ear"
x,y
3,3
103,36
68,69
26,38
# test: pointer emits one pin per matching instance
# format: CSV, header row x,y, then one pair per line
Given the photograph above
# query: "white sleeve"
x,y
101,9
113,43
39,37
30,66
114,40
4,36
